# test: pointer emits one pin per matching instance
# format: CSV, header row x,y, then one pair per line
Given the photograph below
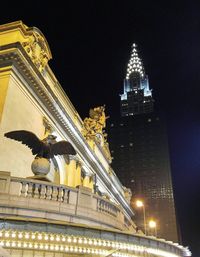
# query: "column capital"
x,y
86,173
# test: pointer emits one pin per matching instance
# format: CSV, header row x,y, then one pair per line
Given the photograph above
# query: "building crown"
x,y
135,64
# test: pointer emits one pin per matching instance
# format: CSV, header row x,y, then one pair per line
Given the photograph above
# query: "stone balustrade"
x,y
32,198
41,190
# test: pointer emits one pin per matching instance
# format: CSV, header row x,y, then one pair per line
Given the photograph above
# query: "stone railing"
x,y
106,206
41,190
40,199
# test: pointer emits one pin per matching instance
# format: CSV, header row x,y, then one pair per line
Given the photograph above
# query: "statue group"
x,y
93,128
94,125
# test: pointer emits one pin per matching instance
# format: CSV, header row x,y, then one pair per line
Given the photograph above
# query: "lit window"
x,y
131,144
112,125
149,120
121,146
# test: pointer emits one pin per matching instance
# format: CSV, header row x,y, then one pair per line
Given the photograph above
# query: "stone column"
x,y
4,81
69,176
88,180
77,175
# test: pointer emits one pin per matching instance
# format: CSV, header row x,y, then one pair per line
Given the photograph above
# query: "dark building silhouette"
x,y
138,143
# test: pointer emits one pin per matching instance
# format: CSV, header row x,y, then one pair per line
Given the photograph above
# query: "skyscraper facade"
x,y
139,146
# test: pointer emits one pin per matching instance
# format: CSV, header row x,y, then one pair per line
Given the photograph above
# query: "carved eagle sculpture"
x,y
46,148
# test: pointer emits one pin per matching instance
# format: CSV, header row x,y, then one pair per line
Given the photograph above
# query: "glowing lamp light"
x,y
6,234
20,235
39,236
26,236
152,224
139,203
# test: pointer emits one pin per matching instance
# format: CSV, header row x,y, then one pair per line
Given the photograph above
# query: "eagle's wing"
x,y
62,147
27,138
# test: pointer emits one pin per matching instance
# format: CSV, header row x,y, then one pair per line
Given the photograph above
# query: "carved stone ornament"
x,y
36,48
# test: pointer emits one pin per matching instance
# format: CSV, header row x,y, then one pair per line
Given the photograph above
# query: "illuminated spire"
x,y
137,96
135,64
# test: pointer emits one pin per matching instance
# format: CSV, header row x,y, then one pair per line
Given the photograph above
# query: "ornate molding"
x,y
37,50
32,40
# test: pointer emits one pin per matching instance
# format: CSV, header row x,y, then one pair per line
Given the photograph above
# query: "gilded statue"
x,y
93,126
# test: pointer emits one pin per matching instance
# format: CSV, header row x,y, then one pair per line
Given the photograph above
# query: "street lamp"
x,y
140,204
153,225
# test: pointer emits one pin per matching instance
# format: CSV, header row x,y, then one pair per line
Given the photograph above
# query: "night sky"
x,y
91,43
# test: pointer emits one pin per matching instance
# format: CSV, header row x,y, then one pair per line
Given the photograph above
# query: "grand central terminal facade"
x,y
63,204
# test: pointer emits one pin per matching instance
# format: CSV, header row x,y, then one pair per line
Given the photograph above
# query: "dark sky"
x,y
91,43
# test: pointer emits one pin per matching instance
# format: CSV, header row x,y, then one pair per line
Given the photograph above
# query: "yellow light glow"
x,y
55,246
139,203
152,224
7,243
13,235
27,236
20,235
13,244
6,234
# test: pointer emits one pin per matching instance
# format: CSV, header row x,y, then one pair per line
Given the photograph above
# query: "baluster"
x,y
30,190
36,191
112,210
23,190
65,195
108,208
102,206
55,193
116,211
49,193
43,192
60,194
98,205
